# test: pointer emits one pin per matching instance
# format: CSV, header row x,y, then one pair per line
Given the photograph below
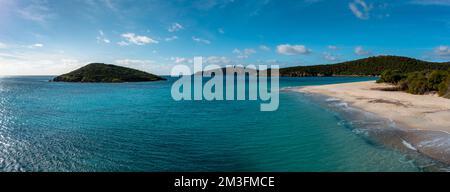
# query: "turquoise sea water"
x,y
48,126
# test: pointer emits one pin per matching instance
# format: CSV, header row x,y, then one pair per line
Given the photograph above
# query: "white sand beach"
x,y
422,112
425,118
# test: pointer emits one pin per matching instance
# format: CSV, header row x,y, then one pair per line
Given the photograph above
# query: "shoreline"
x,y
422,119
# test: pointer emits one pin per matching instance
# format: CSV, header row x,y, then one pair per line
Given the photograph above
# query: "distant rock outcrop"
x,y
234,69
106,73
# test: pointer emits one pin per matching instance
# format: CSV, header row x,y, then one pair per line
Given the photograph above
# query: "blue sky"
x,y
49,37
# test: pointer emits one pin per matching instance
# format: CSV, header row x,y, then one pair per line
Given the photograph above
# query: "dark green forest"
x,y
372,66
106,73
419,82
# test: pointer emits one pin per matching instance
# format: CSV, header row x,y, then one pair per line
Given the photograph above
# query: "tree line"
x,y
372,66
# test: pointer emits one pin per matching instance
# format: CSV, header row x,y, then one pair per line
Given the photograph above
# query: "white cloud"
x,y
109,4
101,37
221,31
330,57
332,47
200,40
180,60
3,46
29,62
244,53
205,5
131,62
288,49
360,9
37,11
36,45
122,43
264,48
175,27
132,38
360,51
442,51
217,60
171,38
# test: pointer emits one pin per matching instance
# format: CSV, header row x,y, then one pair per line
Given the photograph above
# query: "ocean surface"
x,y
49,126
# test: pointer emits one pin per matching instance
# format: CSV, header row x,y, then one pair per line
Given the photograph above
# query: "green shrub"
x,y
391,76
443,87
417,83
435,78
403,85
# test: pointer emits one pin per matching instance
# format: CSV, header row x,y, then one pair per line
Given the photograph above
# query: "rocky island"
x,y
106,73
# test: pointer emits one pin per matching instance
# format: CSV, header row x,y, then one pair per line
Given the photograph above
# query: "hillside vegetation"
x,y
372,66
419,82
106,73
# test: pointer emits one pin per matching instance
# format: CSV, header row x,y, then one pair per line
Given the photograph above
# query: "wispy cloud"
x,y
330,57
221,31
442,51
360,9
259,7
132,38
264,48
109,4
31,62
180,60
205,5
200,40
175,27
101,38
172,38
132,61
3,46
36,10
359,50
217,60
332,47
288,49
36,45
243,54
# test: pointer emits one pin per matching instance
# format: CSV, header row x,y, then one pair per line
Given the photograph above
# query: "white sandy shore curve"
x,y
422,112
427,113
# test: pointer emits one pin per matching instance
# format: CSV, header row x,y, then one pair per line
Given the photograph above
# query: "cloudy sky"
x,y
49,37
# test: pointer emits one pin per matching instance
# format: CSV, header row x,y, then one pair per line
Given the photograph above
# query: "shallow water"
x,y
427,150
47,126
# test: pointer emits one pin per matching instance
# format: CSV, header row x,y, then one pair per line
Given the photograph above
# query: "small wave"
x,y
332,99
288,89
436,142
363,132
342,104
408,145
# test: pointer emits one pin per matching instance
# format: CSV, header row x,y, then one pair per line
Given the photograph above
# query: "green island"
x,y
106,73
406,74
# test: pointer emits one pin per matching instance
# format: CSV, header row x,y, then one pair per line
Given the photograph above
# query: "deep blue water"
x,y
48,126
